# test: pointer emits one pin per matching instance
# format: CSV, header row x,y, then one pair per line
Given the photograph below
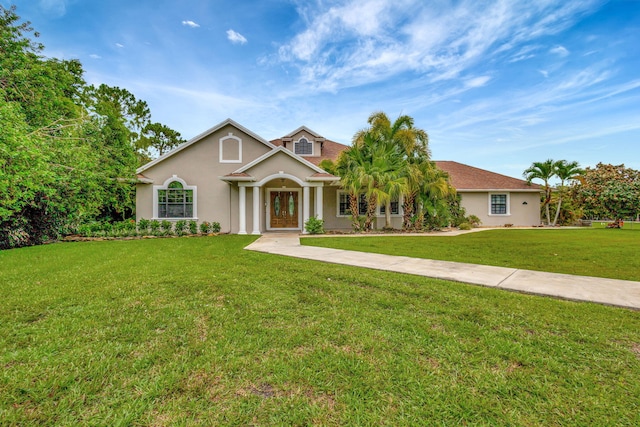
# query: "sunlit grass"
x,y
197,331
612,253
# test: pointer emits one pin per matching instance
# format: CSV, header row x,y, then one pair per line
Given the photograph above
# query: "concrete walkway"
x,y
621,293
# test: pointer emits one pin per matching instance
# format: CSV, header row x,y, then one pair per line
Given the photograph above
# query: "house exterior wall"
x,y
519,214
199,165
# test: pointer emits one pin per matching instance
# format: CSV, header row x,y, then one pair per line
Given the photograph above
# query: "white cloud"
x,y
560,51
119,45
190,24
95,56
544,73
236,38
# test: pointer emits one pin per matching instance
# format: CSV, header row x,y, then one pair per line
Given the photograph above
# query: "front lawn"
x,y
611,253
198,331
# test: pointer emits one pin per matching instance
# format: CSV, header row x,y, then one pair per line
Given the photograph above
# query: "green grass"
x,y
589,252
197,331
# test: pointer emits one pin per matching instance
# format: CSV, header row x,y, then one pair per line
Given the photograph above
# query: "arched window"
x,y
175,199
303,146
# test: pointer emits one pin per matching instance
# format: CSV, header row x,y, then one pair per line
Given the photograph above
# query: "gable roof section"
x,y
464,177
330,150
319,174
303,129
201,136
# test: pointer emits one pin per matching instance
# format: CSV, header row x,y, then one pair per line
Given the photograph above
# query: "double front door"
x,y
283,209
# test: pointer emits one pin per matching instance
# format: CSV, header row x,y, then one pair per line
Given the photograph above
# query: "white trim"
x,y
165,186
502,193
203,135
221,143
268,205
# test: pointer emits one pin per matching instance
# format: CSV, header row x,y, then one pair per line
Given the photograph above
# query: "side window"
x,y
499,204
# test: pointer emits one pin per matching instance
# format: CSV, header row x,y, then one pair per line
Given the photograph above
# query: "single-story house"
x,y
249,185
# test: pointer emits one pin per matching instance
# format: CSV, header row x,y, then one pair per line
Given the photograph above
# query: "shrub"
x,y
473,220
143,226
154,226
166,227
181,227
465,226
205,227
314,225
193,227
215,227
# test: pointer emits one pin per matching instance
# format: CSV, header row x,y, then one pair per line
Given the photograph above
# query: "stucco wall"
x,y
477,203
199,165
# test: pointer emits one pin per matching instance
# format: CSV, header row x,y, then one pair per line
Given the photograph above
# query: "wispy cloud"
x,y
120,45
235,37
95,56
190,24
357,42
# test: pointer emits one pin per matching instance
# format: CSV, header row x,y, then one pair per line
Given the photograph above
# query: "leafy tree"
x,y
608,191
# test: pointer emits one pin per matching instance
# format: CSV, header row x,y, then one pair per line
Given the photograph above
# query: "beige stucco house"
x,y
249,185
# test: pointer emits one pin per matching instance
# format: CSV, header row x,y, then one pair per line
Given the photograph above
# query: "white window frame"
x,y
295,144
165,186
508,202
221,144
338,214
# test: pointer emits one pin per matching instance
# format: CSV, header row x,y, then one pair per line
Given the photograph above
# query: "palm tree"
x,y
565,171
544,171
405,150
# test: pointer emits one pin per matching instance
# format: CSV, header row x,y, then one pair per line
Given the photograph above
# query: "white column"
x,y
305,207
319,202
242,208
256,210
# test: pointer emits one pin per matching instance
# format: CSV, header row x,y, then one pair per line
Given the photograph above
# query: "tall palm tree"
x,y
544,171
565,171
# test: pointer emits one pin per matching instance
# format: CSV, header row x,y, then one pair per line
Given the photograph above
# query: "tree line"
x,y
68,150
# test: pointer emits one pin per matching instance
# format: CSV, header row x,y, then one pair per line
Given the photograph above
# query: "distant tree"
x,y
160,138
608,191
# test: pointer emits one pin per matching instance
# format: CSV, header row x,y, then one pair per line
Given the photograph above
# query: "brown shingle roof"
x,y
465,177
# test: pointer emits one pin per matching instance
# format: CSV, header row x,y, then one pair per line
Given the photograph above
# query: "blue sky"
x,y
496,84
